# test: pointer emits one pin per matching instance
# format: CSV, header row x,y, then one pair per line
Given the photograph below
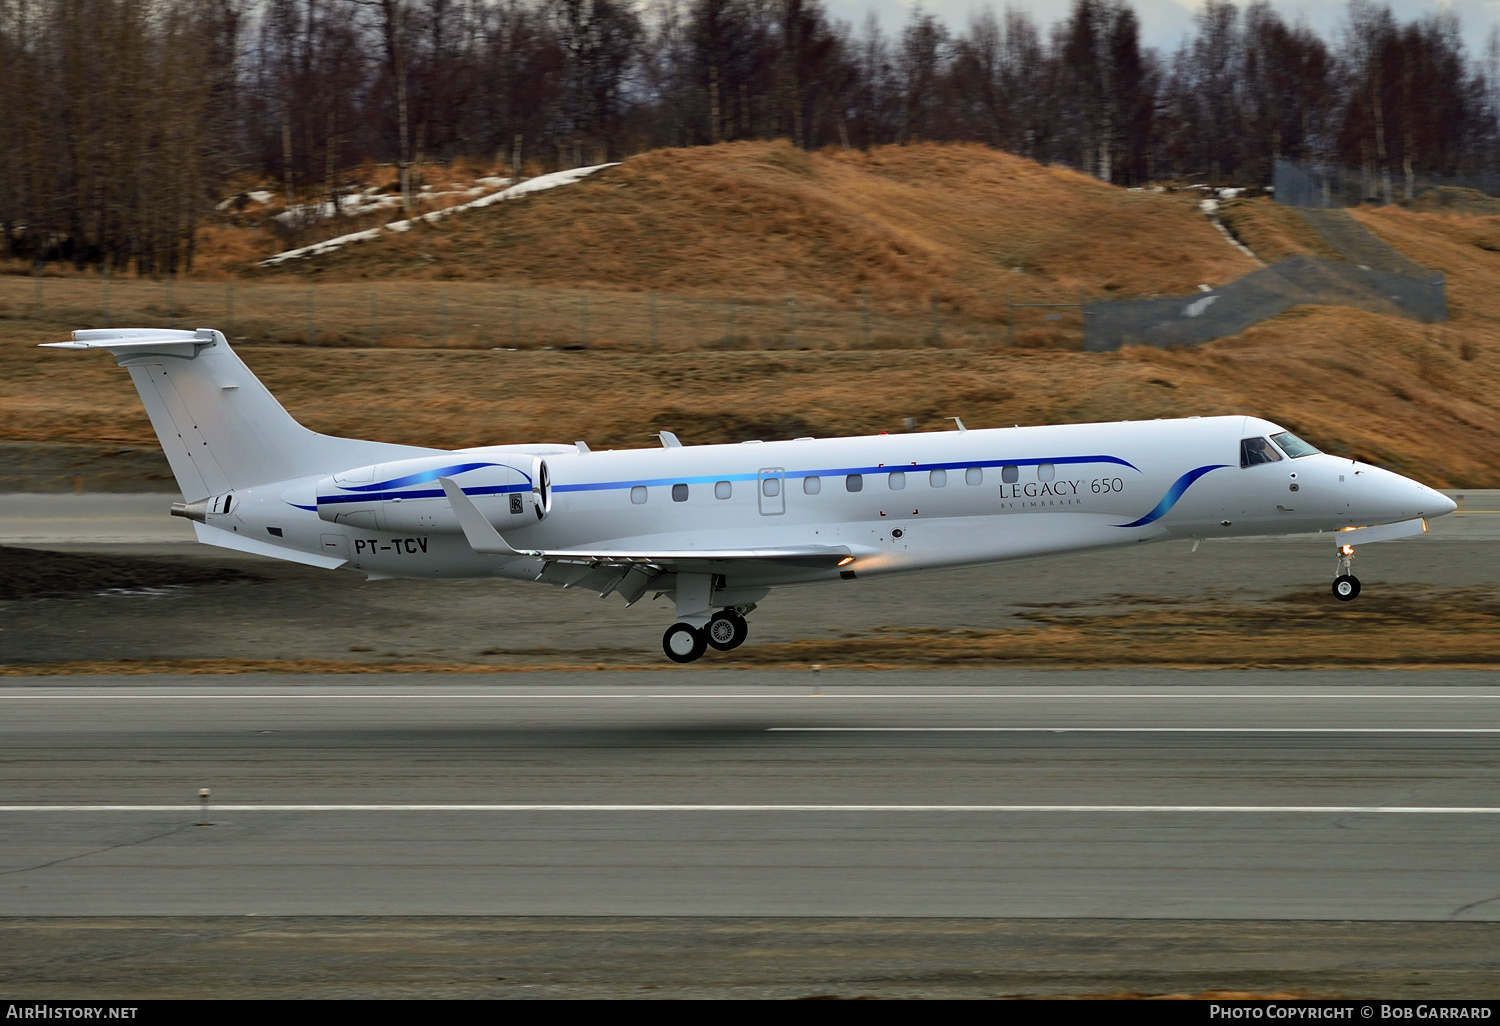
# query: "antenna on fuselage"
x,y
959,421
668,440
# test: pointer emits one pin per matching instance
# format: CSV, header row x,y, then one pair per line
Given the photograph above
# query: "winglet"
x,y
481,534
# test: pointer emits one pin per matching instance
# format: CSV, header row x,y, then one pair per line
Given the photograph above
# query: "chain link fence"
x,y
487,315
1230,309
1325,186
1369,275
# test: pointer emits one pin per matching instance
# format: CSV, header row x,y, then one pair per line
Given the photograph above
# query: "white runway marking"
x,y
362,696
1134,730
1420,810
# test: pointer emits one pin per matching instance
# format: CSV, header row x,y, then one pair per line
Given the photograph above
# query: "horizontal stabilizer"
x,y
483,538
128,341
238,542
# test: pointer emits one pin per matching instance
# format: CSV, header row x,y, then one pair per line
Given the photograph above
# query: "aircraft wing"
x,y
483,538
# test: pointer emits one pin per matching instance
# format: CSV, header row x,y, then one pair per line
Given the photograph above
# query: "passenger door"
x,y
770,489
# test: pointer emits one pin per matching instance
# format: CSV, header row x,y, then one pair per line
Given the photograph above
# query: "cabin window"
x,y
812,485
723,489
897,480
1010,475
974,476
638,495
938,478
770,486
679,493
855,483
1045,472
1293,446
1255,451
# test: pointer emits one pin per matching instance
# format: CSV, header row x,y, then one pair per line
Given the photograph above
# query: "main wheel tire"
x,y
683,643
1346,587
727,630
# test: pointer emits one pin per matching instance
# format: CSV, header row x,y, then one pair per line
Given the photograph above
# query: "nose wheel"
x,y
1346,585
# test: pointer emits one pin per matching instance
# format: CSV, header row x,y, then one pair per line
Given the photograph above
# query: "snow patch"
x,y
526,188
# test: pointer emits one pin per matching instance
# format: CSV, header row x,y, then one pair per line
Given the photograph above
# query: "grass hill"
x,y
764,218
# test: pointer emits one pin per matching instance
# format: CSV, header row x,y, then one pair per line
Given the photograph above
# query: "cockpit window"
x,y
1254,451
1294,446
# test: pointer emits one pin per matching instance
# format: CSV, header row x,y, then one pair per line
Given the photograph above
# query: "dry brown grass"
x,y
1413,628
1383,389
766,219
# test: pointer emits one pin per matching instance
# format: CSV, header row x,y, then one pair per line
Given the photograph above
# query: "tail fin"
x,y
220,428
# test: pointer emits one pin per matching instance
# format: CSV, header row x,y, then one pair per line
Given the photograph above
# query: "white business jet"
x,y
716,527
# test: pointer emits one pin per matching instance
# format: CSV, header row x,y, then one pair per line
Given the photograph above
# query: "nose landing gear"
x,y
1346,585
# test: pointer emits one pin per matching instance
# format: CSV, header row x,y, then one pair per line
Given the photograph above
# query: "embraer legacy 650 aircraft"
x,y
716,527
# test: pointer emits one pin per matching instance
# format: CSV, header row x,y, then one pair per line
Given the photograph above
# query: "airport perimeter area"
x,y
522,829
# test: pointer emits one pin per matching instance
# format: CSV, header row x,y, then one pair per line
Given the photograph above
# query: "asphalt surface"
x,y
1113,794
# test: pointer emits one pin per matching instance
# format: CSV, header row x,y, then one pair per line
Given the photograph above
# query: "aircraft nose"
x,y
1441,504
1390,496
1422,501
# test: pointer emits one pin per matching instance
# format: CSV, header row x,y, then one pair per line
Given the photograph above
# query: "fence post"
x,y
729,333
653,322
229,306
310,327
791,321
583,316
375,316
937,329
865,315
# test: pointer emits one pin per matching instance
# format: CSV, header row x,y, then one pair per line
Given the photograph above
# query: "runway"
x,y
1140,795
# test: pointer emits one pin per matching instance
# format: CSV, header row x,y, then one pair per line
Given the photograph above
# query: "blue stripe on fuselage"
x,y
429,475
910,468
1182,484
428,493
381,491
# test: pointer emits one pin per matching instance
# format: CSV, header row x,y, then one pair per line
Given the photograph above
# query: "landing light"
x,y
1347,550
846,561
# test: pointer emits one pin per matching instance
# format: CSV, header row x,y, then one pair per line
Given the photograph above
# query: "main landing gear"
x,y
725,630
1346,585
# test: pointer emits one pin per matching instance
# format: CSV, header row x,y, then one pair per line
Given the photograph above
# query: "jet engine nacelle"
x,y
510,490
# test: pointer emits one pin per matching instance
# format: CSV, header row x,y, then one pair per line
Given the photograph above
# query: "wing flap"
x,y
483,538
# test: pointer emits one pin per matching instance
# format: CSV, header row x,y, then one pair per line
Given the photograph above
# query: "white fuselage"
x,y
899,503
